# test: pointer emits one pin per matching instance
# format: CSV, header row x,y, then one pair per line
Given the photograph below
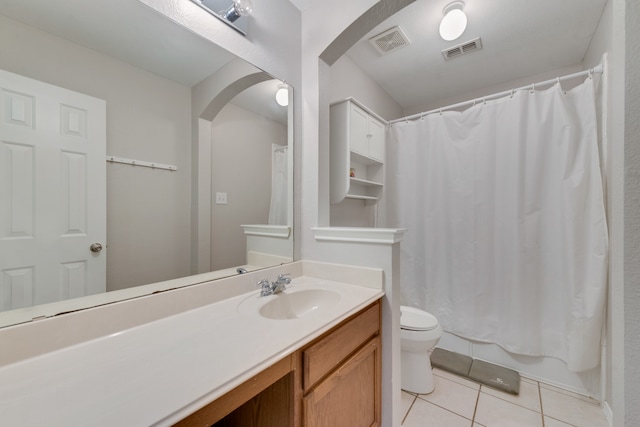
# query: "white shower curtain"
x,y
507,238
278,205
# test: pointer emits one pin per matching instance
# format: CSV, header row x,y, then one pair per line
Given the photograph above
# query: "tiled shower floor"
x,y
458,402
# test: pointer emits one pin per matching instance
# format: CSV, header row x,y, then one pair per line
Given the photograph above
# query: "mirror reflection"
x,y
201,177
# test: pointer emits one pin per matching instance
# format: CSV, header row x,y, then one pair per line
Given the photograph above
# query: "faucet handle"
x,y
265,286
282,278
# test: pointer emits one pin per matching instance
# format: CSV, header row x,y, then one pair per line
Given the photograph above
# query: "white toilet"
x,y
419,334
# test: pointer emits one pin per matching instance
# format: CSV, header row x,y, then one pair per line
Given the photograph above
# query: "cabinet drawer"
x,y
324,355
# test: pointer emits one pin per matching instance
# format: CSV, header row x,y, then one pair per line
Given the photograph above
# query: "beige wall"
x,y
148,118
241,167
631,233
348,80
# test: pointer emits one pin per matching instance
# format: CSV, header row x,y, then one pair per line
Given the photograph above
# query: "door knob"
x,y
95,247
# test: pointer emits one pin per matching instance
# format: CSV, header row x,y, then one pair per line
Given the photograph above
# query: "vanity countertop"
x,y
158,373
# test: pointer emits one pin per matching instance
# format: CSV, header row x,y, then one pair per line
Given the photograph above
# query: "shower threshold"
x,y
485,373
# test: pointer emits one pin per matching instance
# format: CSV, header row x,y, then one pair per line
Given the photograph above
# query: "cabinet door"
x,y
358,130
376,140
350,396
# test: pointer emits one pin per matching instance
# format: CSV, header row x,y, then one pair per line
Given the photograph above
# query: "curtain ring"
x,y
590,73
474,102
440,111
484,101
533,88
511,96
421,116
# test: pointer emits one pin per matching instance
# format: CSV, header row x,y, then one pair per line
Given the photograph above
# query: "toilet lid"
x,y
417,320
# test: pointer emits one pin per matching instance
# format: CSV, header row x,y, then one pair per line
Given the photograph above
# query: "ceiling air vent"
x,y
390,40
463,48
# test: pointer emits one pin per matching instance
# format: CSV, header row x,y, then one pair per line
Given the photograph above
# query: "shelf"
x,y
359,234
281,231
360,197
365,160
365,182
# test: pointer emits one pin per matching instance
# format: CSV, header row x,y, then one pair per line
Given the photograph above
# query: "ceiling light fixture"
x,y
282,95
454,21
237,9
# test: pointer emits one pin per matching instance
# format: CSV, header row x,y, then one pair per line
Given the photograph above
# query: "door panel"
x,y
52,192
358,130
376,140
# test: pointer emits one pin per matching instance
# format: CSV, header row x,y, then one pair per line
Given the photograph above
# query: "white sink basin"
x,y
294,305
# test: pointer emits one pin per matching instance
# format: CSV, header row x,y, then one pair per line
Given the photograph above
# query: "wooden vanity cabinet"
x,y
341,374
350,395
333,381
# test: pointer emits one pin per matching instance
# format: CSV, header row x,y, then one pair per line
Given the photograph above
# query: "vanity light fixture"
x,y
282,95
454,21
229,12
237,9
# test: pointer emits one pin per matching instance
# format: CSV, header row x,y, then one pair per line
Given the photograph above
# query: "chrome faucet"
x,y
281,282
275,287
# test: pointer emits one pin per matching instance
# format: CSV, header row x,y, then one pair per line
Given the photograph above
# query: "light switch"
x,y
221,198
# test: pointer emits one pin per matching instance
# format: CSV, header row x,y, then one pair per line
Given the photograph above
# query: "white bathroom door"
x,y
52,193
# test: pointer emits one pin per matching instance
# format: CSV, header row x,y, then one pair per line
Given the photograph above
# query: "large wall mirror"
x,y
194,180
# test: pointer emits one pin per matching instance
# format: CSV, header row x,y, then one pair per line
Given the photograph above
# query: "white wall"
x,y
432,104
619,35
631,212
602,40
349,80
148,118
241,167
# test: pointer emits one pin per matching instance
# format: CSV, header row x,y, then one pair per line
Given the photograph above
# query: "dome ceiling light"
x,y
454,21
282,95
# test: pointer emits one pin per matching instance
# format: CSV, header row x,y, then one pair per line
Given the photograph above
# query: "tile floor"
x,y
458,402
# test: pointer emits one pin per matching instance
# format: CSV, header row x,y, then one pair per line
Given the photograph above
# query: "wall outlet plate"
x,y
221,198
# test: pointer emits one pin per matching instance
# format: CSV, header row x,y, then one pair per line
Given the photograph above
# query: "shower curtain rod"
x,y
597,69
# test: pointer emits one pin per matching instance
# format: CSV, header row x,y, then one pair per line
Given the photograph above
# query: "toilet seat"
x,y
413,319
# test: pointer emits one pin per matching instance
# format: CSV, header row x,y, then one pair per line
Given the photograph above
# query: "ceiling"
x,y
136,34
520,38
128,30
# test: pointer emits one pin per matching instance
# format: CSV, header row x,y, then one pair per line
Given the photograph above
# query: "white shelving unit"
x,y
357,152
